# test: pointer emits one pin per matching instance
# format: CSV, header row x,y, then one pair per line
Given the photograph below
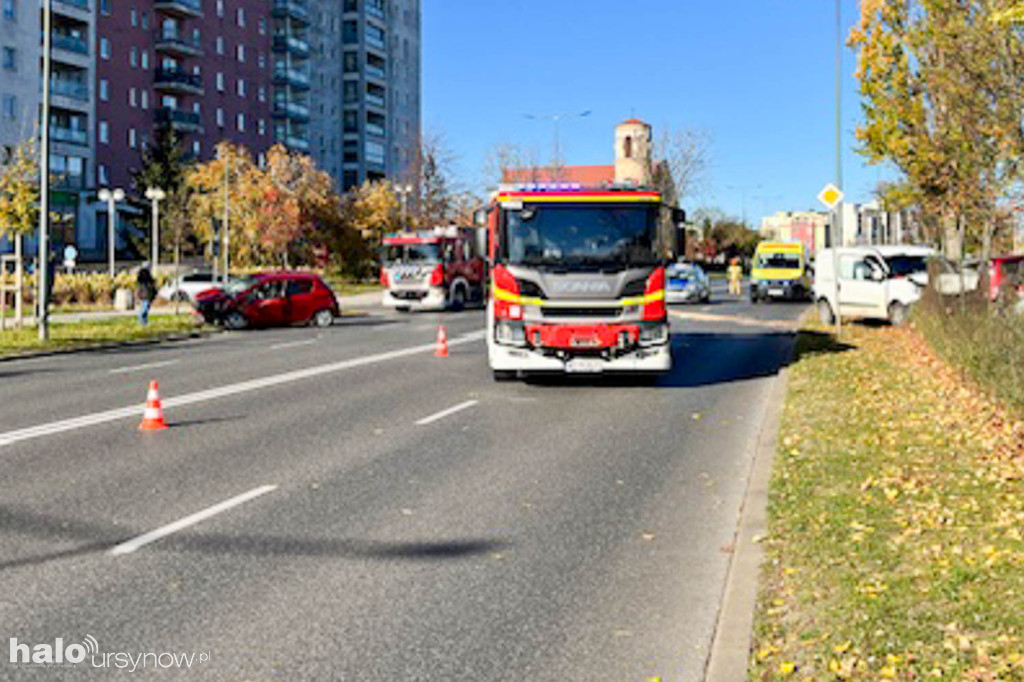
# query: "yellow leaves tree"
x,y
234,166
19,204
942,87
372,210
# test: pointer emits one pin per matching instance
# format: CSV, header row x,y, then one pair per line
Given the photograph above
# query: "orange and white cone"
x,y
153,417
442,342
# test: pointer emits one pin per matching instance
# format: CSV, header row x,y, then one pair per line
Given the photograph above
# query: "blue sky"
x,y
757,75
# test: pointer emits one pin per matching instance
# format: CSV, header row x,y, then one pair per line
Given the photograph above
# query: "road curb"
x,y
107,345
730,648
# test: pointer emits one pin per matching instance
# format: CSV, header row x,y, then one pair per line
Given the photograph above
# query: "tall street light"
x,y
155,195
111,197
42,273
404,190
555,118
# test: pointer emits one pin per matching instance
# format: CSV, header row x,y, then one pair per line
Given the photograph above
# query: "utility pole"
x,y
837,218
155,195
42,267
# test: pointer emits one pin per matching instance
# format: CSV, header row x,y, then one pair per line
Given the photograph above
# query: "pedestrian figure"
x,y
146,288
735,274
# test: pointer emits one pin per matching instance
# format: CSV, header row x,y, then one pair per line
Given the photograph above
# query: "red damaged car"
x,y
270,299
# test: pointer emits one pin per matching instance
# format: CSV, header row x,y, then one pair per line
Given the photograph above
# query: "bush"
x,y
985,341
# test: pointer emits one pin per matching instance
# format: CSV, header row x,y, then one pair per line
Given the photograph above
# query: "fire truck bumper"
x,y
650,359
432,298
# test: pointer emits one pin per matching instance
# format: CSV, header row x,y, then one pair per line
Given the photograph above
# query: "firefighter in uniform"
x,y
735,274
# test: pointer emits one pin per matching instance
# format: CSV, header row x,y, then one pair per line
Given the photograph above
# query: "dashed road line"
x,y
444,413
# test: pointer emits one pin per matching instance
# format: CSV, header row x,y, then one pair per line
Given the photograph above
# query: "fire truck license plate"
x,y
584,366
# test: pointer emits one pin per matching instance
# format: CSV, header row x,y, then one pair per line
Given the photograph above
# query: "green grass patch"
x,y
84,334
896,514
345,287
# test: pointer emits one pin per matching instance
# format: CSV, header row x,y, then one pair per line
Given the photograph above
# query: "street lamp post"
x,y
111,197
556,162
405,191
42,273
155,195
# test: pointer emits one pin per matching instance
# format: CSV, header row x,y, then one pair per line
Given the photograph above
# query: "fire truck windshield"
x,y
581,236
429,252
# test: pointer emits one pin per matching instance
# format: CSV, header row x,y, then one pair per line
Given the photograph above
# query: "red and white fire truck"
x,y
578,280
432,269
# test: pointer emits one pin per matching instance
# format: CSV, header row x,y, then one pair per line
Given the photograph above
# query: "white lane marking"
x,y
191,520
444,413
231,389
292,344
148,365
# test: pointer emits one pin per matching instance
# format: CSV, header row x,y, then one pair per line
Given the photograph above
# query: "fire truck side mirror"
x,y
678,217
480,217
480,241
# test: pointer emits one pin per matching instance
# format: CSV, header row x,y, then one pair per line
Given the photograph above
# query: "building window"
x,y
10,107
105,7
133,57
10,12
145,59
240,16
220,8
145,99
263,27
105,48
262,94
240,123
133,141
8,59
220,81
262,60
102,175
262,126
135,17
240,53
104,132
220,44
104,90
145,20
240,87
220,117
196,148
131,98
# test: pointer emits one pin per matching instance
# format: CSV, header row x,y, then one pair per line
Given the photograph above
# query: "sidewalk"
x,y
371,299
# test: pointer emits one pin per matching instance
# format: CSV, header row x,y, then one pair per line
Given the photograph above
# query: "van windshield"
x,y
777,261
423,252
901,266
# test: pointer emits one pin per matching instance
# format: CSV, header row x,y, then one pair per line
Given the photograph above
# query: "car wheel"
x,y
235,320
897,314
458,298
825,315
323,318
504,375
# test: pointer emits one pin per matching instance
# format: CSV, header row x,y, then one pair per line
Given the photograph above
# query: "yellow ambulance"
x,y
780,271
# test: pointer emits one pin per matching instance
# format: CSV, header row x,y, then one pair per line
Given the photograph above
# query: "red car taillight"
x,y
654,309
506,294
385,281
437,276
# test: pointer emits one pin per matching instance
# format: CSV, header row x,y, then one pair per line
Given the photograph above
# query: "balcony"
x,y
76,90
374,129
375,100
291,110
178,82
180,8
70,43
67,182
291,77
177,44
76,4
182,121
298,143
291,9
376,72
373,10
68,135
296,46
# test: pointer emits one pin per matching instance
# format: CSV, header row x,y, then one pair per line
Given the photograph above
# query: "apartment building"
x,y
291,76
365,106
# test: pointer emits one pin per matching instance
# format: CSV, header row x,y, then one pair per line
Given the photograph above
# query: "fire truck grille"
x,y
583,312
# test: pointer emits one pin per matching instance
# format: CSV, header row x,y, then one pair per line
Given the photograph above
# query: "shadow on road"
x,y
100,538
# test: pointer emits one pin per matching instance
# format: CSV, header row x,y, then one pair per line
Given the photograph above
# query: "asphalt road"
x,y
407,518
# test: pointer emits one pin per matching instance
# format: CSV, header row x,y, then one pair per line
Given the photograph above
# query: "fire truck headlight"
x,y
653,334
510,333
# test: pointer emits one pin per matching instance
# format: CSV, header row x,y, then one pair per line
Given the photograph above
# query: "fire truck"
x,y
578,280
432,269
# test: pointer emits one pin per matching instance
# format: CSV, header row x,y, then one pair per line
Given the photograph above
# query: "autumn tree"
x,y
371,210
680,160
19,204
942,87
435,181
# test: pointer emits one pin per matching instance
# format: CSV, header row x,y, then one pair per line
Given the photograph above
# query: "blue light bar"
x,y
550,187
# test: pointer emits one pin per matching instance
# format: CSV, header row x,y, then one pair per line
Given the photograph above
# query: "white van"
x,y
879,283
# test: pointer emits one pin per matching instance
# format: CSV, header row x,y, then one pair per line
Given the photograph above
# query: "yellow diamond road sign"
x,y
830,196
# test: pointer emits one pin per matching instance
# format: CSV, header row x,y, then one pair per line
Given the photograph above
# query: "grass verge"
x,y
65,336
896,514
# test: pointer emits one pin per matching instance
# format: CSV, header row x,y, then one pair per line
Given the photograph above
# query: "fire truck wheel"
x,y
458,298
504,375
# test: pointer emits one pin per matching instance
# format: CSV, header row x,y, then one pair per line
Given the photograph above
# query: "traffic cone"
x,y
153,417
442,342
